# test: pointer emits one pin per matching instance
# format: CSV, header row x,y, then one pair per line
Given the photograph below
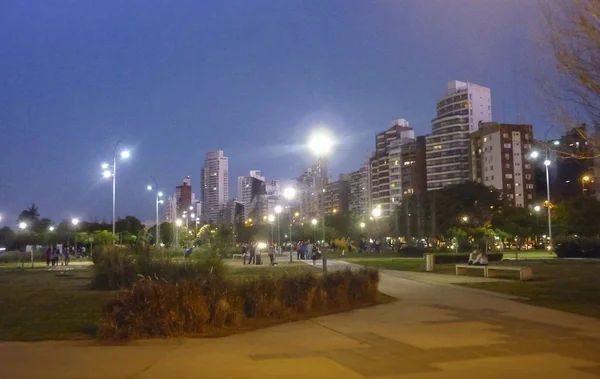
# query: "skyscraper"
x,y
215,185
244,194
459,113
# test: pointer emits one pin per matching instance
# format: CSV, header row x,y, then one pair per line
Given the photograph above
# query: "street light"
x,y
278,210
289,193
535,155
112,171
376,211
51,228
362,225
465,218
586,178
271,218
321,143
314,224
22,225
178,224
75,221
158,202
537,208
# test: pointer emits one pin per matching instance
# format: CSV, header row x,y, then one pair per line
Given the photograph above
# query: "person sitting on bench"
x,y
473,257
481,260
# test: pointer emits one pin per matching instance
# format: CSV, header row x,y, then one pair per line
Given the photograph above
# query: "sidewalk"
x,y
436,331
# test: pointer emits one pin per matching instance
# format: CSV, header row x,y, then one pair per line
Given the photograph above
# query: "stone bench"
x,y
525,273
237,256
462,269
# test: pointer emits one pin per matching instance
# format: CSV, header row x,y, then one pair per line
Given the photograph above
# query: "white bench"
x,y
525,273
462,269
237,256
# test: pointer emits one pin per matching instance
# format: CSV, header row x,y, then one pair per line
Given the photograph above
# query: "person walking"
x,y
298,250
244,252
66,256
252,254
48,255
309,250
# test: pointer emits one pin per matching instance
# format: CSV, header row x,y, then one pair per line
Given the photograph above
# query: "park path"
x,y
437,330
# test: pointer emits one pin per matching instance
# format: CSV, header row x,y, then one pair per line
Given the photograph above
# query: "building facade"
x,y
413,171
459,113
215,185
336,196
244,194
385,165
499,157
359,201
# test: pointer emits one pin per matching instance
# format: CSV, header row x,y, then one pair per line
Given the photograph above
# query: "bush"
x,y
578,248
441,258
159,308
113,269
412,251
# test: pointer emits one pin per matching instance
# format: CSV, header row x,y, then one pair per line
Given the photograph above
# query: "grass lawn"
x,y
568,285
238,270
37,304
530,254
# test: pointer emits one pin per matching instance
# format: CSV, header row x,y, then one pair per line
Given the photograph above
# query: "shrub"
x,y
113,269
443,258
578,248
412,251
159,308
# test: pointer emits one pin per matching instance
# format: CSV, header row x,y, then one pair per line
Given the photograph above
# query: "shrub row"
x,y
158,308
578,248
116,267
447,258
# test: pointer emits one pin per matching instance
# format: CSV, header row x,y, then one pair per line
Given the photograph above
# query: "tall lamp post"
x,y
584,179
535,155
23,226
289,193
321,144
271,218
111,171
178,224
158,201
75,221
278,210
314,223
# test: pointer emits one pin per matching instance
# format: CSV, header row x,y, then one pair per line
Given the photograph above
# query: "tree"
x,y
7,237
31,216
575,217
129,224
574,92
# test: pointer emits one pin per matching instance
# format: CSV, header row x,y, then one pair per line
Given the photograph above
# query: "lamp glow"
x,y
534,154
547,162
289,193
271,218
376,211
75,221
278,209
125,154
51,228
106,174
314,221
149,188
104,166
321,143
178,222
23,225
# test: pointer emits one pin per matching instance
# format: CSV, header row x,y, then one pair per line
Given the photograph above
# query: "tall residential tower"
x,y
459,113
215,185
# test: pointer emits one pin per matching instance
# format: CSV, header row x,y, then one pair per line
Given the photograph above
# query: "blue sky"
x,y
176,79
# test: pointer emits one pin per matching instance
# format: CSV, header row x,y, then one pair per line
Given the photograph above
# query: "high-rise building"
x,y
215,185
181,200
232,212
310,188
499,158
359,201
385,165
336,196
252,207
413,174
574,163
459,113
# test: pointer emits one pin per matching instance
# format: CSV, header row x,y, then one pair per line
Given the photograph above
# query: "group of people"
x,y
253,254
478,258
53,256
307,250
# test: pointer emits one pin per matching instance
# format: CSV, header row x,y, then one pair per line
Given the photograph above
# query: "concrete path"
x,y
436,330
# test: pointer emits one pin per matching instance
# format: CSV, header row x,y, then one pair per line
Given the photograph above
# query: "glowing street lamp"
x,y
537,208
465,218
376,212
158,202
362,225
22,225
51,228
111,171
75,221
584,179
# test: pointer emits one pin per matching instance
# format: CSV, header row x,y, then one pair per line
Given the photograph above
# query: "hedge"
x,y
578,248
158,308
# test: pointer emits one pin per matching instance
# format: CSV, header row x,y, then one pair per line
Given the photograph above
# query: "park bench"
x,y
462,269
525,273
237,256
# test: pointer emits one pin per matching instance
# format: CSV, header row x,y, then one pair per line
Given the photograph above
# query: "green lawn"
x,y
41,304
37,304
569,285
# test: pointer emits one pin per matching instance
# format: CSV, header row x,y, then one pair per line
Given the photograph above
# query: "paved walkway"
x,y
435,331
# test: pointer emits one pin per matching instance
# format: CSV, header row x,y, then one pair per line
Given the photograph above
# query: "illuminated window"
x,y
484,139
437,147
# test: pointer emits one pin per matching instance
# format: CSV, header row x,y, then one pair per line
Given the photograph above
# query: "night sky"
x,y
178,78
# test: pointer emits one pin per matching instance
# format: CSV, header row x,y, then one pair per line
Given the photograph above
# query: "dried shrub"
x,y
160,308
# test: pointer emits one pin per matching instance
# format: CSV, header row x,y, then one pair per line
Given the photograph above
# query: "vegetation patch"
x,y
214,305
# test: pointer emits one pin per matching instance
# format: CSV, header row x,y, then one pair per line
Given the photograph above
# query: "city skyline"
x,y
172,117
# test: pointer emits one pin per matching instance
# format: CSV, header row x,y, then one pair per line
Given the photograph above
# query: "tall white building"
x,y
215,185
459,113
244,192
386,190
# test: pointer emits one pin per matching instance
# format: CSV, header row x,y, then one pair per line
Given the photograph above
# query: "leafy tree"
x,y
575,217
7,237
129,224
